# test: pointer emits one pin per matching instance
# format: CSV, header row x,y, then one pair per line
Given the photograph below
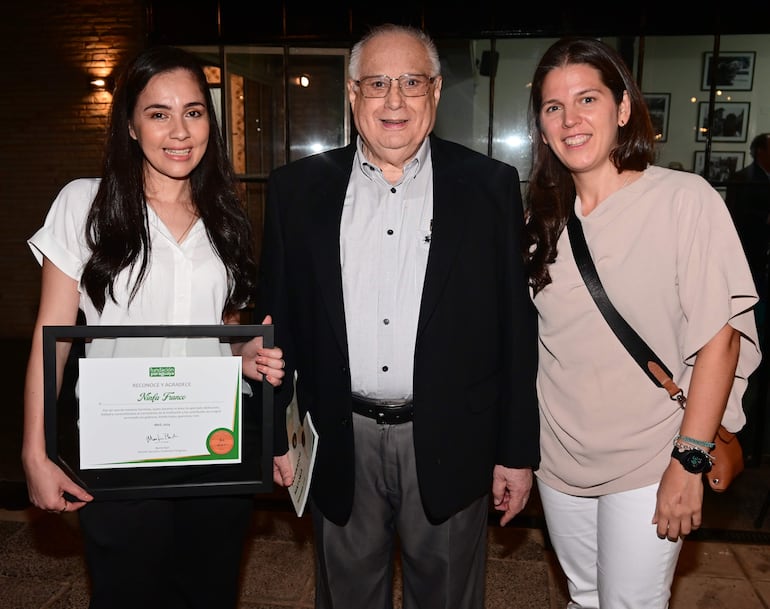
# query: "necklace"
x,y
187,230
168,220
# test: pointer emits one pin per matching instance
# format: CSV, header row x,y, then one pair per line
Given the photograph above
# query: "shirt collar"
x,y
413,167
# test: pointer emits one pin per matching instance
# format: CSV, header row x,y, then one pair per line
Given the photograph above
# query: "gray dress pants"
x,y
442,565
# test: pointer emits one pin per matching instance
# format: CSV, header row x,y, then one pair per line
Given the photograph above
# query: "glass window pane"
x,y
472,69
317,101
463,111
671,83
249,98
515,67
679,66
255,109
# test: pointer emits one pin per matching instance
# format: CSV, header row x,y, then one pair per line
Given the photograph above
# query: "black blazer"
x,y
476,353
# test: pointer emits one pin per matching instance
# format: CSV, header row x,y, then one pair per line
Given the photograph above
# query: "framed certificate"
x,y
158,411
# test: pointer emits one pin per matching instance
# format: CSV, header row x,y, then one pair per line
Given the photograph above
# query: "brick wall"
x,y
52,125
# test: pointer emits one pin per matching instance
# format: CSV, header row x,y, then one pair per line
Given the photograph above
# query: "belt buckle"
x,y
392,414
382,413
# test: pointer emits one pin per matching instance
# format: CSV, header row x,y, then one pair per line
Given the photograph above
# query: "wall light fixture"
x,y
101,83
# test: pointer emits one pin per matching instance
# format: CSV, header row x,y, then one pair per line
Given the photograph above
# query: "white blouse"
x,y
184,284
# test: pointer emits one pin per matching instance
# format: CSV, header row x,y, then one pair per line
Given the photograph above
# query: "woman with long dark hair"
x,y
161,238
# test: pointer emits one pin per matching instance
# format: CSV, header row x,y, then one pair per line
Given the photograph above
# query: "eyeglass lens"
x,y
411,85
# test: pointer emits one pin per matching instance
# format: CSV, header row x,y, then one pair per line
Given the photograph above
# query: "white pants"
x,y
609,549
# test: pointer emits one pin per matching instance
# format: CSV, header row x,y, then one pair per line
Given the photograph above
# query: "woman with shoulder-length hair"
x,y
617,478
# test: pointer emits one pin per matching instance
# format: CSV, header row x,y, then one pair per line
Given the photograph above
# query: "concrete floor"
x,y
41,564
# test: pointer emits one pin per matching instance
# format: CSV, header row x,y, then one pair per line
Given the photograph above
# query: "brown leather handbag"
x,y
727,455
728,460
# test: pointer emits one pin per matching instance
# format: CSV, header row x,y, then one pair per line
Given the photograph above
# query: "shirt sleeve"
x,y
716,287
61,239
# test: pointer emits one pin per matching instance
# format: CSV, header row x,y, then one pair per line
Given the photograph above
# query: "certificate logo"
x,y
162,371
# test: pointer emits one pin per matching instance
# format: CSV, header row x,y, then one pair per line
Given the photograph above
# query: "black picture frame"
x,y
730,124
722,164
734,70
251,476
659,105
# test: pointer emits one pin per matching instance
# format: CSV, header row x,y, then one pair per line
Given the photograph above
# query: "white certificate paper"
x,y
159,411
303,444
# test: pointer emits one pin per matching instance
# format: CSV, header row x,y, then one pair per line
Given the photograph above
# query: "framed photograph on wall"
x,y
722,165
730,124
734,71
658,105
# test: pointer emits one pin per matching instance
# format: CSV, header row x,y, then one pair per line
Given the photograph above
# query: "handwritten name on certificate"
x,y
303,444
137,411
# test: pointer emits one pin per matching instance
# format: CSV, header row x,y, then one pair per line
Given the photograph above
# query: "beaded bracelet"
x,y
683,447
689,440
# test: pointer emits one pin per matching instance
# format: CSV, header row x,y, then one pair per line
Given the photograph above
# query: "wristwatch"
x,y
693,460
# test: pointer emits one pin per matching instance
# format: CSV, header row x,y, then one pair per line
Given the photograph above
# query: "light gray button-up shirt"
x,y
385,237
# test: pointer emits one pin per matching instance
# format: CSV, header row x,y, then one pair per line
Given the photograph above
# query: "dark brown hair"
x,y
551,191
117,231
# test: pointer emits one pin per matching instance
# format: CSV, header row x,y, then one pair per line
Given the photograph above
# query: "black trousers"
x,y
166,553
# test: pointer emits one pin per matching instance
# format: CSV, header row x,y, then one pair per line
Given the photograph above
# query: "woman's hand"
x,y
47,485
263,363
678,511
680,495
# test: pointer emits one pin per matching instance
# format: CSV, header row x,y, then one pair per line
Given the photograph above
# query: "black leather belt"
x,y
383,411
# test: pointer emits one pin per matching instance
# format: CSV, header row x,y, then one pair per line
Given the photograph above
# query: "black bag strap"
x,y
649,362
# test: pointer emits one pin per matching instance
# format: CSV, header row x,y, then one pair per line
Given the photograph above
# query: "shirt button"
x,y
393,190
386,321
390,231
384,368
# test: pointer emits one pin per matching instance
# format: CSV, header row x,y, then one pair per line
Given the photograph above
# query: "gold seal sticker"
x,y
221,441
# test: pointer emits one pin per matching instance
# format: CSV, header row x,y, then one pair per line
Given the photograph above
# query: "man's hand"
x,y
510,490
283,474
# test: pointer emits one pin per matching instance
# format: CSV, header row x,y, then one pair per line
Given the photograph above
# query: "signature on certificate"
x,y
160,437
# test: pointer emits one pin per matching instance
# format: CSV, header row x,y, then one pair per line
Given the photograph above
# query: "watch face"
x,y
694,461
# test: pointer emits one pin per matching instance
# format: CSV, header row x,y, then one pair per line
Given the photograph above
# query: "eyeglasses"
x,y
411,85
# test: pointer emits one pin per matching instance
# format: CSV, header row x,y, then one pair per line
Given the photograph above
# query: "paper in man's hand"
x,y
303,443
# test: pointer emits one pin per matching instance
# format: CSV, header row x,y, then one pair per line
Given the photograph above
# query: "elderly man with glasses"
x,y
393,272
